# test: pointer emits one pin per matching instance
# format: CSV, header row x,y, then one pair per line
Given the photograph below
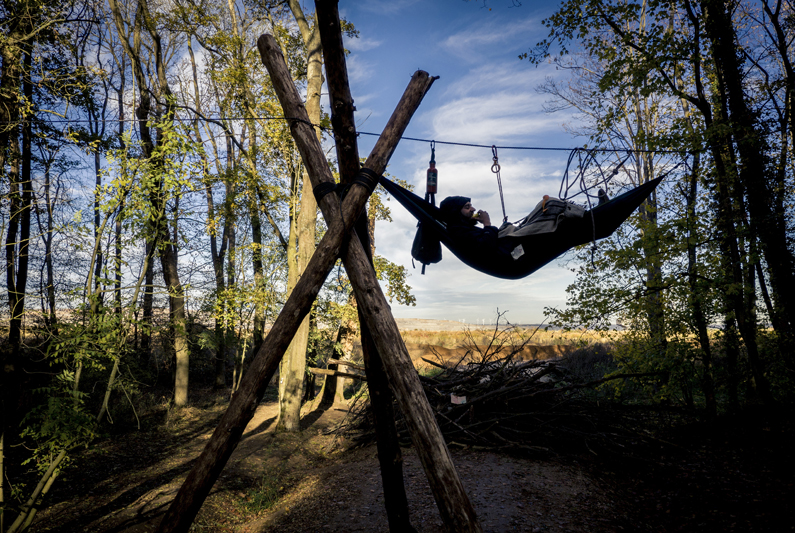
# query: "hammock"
x,y
525,253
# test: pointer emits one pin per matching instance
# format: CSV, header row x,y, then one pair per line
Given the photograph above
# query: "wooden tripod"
x,y
456,510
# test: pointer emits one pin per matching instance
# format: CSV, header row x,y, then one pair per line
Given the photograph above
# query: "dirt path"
x,y
306,482
508,494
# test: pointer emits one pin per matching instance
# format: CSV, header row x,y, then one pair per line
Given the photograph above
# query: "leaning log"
x,y
454,506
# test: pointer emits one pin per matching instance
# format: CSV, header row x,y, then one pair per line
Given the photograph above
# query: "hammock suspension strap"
x,y
496,169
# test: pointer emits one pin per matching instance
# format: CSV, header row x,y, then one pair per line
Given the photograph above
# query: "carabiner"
x,y
496,166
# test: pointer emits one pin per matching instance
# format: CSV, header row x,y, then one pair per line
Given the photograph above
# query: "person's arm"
x,y
483,239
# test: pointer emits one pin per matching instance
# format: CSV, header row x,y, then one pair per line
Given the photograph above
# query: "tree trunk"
x,y
123,172
291,376
754,169
96,301
168,261
655,308
20,197
259,274
727,219
148,302
159,230
52,319
334,385
696,295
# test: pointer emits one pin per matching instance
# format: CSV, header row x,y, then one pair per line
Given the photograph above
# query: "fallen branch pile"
x,y
537,406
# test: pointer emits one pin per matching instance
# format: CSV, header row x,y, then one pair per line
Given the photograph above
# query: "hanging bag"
x,y
426,248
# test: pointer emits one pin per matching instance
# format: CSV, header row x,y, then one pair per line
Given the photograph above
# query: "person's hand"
x,y
483,218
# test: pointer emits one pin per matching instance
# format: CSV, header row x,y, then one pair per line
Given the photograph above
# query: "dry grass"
x,y
455,339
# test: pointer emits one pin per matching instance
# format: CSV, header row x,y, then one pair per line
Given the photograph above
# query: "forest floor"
x,y
720,479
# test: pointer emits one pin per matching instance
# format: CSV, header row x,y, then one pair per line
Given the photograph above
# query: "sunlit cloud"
x,y
452,291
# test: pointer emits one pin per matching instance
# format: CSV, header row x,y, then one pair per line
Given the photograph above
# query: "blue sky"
x,y
485,95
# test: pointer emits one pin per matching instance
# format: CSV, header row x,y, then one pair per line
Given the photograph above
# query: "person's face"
x,y
468,210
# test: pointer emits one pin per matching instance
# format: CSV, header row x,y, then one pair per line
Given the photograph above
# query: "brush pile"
x,y
494,401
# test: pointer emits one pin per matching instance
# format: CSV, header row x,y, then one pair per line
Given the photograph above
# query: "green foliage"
x,y
63,418
612,284
673,371
781,379
635,42
395,277
429,371
60,422
659,275
92,344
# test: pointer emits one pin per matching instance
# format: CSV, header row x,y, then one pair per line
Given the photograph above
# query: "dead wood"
x,y
345,363
329,372
532,406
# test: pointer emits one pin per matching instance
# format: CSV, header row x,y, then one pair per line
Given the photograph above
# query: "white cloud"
x,y
386,6
506,75
359,70
361,44
483,39
451,291
495,104
493,119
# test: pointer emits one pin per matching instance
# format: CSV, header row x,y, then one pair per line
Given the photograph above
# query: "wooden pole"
x,y
456,510
241,409
390,457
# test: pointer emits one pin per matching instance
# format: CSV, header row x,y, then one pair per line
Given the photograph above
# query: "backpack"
x,y
426,247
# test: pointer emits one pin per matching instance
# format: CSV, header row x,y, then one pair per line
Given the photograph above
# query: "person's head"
x,y
455,207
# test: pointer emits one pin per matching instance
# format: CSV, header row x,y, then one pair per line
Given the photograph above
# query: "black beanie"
x,y
451,207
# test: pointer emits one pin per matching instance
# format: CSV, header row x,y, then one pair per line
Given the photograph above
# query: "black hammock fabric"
x,y
538,249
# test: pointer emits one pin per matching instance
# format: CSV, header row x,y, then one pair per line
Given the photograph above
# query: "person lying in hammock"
x,y
544,218
462,223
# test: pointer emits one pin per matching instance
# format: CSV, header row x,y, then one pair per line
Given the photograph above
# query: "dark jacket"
x,y
468,237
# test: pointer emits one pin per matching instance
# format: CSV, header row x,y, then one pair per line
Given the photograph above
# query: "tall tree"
x,y
759,178
155,144
293,366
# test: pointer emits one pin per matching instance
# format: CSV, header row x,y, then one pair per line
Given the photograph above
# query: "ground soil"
x,y
720,480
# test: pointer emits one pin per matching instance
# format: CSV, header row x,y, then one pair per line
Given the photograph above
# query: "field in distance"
x,y
447,340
